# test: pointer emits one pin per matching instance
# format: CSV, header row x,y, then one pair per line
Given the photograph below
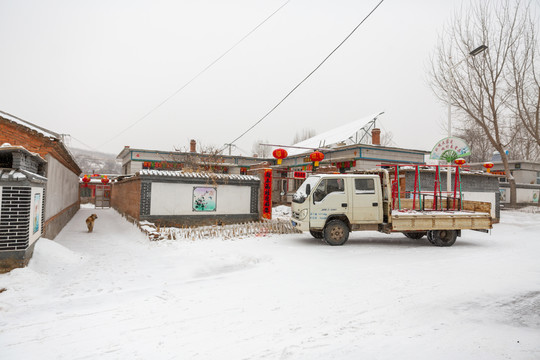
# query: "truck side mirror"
x,y
308,189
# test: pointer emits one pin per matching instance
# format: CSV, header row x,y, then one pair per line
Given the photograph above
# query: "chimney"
x,y
376,136
192,146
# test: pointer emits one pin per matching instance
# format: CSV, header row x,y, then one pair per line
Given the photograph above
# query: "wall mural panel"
x,y
204,199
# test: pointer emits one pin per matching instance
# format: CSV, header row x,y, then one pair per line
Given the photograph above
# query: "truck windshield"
x,y
300,195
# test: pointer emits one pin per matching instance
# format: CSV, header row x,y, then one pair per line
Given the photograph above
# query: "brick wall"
x,y
15,218
126,197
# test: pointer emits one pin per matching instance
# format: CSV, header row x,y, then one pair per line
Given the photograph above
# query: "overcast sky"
x,y
93,68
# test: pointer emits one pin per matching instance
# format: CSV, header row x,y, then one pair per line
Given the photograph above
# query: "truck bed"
x,y
413,220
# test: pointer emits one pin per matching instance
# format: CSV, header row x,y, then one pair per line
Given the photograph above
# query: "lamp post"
x,y
474,52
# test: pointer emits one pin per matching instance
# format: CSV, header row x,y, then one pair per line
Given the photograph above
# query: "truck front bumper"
x,y
300,225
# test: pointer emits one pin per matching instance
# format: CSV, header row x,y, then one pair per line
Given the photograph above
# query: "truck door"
x,y
329,198
367,201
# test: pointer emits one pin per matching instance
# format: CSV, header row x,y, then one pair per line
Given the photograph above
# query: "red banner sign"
x,y
267,194
299,175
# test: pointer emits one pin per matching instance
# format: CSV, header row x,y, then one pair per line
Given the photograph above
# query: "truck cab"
x,y
332,205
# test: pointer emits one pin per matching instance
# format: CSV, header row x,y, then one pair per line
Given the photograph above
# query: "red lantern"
x,y
488,166
460,161
280,154
316,157
104,180
86,180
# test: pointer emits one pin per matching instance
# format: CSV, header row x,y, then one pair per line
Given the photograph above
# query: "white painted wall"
x,y
177,199
523,196
36,201
135,166
62,187
482,196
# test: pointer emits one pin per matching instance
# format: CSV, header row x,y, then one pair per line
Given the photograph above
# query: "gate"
x,y
103,196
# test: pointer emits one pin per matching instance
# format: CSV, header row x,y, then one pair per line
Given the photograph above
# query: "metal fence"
x,y
276,226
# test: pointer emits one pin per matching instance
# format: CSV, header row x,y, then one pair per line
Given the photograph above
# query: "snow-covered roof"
x,y
20,175
195,175
334,136
39,129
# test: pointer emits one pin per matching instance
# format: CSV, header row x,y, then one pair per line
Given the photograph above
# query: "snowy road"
x,y
112,294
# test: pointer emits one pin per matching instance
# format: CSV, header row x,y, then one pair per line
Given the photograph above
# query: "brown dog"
x,y
90,222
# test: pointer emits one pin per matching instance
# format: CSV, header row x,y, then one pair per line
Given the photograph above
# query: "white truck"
x,y
330,206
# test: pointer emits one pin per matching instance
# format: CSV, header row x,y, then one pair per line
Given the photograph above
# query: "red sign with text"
x,y
267,194
299,175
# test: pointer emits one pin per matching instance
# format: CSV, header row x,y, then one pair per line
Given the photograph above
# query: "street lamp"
x,y
474,52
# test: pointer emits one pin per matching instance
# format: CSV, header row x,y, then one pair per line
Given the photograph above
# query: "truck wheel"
x,y
336,233
415,235
430,237
443,237
316,234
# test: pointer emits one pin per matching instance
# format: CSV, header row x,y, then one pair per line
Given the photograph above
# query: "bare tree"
x,y
525,77
481,147
261,150
477,86
303,134
387,138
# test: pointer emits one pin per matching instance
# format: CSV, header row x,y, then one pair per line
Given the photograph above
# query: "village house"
x,y
62,172
527,175
134,160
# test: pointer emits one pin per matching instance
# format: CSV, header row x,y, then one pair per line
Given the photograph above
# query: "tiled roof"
x,y
6,147
20,175
183,174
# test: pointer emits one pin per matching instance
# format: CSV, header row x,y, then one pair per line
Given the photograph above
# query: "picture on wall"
x,y
503,195
37,206
204,198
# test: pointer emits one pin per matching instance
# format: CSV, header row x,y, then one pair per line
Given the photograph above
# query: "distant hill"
x,y
96,162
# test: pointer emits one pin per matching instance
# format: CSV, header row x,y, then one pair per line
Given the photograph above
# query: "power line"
x,y
307,77
79,141
198,74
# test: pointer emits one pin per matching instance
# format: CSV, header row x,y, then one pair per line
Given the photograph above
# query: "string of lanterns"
x,y
86,179
316,157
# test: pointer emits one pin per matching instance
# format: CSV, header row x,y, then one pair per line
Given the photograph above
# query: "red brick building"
x,y
62,172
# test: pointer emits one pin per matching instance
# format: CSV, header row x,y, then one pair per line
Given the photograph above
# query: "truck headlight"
x,y
303,214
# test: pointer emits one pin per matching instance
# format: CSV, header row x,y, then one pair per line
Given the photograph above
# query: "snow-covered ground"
x,y
113,294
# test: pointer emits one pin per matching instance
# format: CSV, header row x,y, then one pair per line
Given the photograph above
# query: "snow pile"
x,y
530,209
281,212
51,256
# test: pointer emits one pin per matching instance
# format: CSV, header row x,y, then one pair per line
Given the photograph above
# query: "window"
x,y
538,177
328,186
503,180
86,192
298,183
364,186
